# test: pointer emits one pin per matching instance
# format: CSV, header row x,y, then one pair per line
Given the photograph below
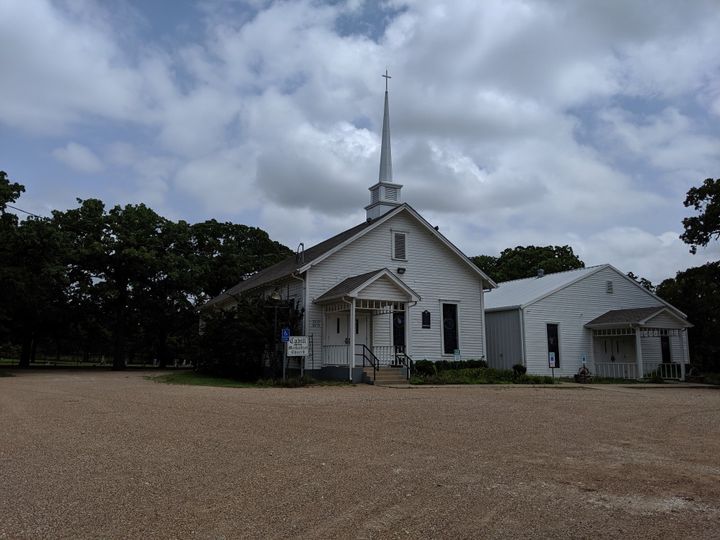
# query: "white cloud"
x,y
79,158
513,121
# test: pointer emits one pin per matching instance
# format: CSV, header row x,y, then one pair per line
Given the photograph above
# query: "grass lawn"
x,y
199,379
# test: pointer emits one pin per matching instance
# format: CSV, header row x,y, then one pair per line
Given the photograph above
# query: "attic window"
x,y
609,287
399,245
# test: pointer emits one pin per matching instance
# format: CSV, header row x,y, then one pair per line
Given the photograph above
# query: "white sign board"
x,y
298,346
551,359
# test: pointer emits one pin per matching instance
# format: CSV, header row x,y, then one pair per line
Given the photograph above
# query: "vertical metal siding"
x,y
504,341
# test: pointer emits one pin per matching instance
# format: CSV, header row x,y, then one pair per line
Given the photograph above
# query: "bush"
x,y
481,375
519,369
426,368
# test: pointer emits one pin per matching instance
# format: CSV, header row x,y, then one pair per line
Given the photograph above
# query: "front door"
x,y
399,329
362,329
665,348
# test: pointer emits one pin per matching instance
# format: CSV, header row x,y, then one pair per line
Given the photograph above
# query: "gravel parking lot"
x,y
101,454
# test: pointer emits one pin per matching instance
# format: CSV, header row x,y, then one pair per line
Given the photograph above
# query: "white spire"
x,y
385,154
385,195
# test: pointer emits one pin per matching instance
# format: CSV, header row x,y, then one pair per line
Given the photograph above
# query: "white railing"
x,y
335,355
616,370
384,353
671,371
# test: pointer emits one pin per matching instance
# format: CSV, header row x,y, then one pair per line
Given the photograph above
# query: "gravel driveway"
x,y
102,454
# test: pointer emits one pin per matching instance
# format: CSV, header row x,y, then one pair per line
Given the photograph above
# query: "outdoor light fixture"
x,y
275,295
401,270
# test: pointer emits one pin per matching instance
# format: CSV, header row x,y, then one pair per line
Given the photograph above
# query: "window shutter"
x,y
399,246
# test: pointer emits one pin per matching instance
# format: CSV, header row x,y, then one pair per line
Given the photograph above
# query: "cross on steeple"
x,y
386,79
385,195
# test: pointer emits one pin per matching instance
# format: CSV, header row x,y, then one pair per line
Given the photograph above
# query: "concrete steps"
x,y
385,376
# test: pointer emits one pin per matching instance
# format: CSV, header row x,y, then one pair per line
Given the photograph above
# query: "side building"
x,y
595,315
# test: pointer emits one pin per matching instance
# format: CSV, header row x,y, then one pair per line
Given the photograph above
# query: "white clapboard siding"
x,y
382,288
431,269
663,320
571,308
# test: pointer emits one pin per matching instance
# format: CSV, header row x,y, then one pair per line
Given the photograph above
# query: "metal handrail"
x,y
367,355
402,358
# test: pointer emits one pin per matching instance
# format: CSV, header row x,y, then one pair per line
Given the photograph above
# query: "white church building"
x,y
387,290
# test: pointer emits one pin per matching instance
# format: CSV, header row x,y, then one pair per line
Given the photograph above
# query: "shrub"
x,y
424,368
519,369
479,376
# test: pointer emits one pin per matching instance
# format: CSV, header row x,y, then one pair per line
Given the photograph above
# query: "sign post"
x,y
284,337
551,362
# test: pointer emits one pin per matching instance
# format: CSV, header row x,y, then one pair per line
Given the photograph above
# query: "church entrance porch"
x,y
364,323
640,343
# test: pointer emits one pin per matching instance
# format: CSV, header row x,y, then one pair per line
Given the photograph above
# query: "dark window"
x,y
399,246
552,343
426,319
338,325
450,328
357,326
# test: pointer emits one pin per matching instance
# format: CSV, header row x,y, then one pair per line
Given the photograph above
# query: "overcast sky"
x,y
513,122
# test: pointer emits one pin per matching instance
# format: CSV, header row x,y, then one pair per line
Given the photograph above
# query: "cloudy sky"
x,y
513,122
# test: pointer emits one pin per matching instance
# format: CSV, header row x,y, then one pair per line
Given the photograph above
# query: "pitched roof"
x,y
631,317
352,285
319,251
291,264
521,292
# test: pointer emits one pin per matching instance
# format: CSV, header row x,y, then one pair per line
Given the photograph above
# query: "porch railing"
x,y
385,354
335,355
671,371
616,370
368,358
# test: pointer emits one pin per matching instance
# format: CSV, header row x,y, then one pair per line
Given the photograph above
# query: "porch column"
x,y
407,328
351,327
638,353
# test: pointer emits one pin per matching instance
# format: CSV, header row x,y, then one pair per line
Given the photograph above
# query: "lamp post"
x,y
276,297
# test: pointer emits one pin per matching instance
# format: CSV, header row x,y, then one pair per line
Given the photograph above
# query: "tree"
x,y
643,282
234,342
523,262
224,253
696,292
700,230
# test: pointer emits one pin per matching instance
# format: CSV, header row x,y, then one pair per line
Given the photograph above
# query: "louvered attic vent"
x,y
609,287
391,193
399,246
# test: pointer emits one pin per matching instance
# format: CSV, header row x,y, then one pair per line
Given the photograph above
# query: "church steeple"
x,y
385,195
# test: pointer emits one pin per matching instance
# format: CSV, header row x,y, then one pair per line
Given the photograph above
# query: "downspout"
x,y
521,313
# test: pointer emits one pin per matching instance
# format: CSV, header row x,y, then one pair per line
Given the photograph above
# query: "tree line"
x,y
127,283
122,281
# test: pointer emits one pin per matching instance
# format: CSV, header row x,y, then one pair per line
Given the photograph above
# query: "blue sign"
x,y
285,335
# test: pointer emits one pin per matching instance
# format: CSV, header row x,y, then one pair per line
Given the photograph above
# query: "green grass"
x,y
200,379
480,376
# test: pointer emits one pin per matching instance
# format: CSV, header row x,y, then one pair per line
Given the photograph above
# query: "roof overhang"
x,y
644,321
353,286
